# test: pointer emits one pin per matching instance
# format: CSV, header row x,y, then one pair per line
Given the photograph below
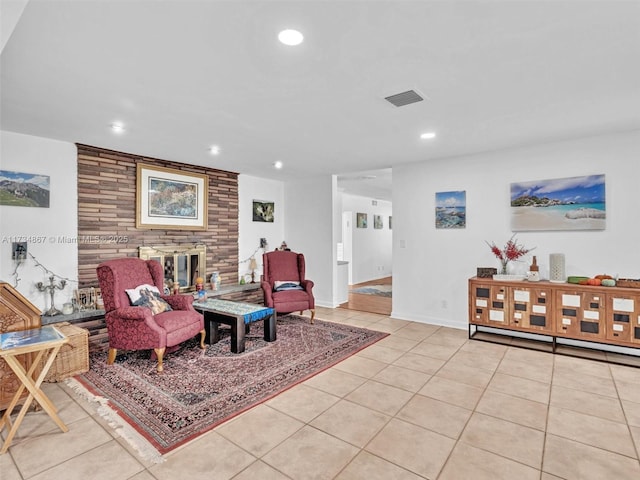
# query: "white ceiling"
x,y
183,75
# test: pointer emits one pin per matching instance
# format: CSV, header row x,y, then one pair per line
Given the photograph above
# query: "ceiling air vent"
x,y
404,98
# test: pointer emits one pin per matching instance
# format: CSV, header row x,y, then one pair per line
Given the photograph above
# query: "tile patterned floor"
x,y
425,402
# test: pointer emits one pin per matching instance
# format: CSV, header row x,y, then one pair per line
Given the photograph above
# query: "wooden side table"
x,y
45,342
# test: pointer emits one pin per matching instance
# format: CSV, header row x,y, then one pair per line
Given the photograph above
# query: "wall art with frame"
x,y
571,203
263,211
361,220
451,209
20,189
171,199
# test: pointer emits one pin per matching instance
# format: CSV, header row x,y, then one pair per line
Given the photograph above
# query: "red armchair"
x,y
136,327
279,269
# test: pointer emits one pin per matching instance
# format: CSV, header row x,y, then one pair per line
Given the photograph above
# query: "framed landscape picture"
x,y
361,220
171,199
24,189
572,203
451,209
263,211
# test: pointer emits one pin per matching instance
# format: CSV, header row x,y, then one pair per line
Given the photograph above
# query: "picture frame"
x,y
89,298
20,189
168,198
377,222
451,209
263,211
361,220
570,203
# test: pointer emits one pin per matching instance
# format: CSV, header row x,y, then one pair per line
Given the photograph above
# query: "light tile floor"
x,y
425,402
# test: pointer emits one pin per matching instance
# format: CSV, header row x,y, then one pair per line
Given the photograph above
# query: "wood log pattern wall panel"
x,y
107,214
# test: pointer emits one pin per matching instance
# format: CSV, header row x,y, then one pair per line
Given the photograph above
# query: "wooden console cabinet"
x,y
606,315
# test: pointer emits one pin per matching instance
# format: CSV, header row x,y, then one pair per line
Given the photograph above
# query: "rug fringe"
x,y
121,427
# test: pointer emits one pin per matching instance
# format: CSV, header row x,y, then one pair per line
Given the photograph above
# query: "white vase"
x,y
556,268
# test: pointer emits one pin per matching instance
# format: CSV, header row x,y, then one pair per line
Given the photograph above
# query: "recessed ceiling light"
x,y
290,37
277,164
428,135
214,150
117,127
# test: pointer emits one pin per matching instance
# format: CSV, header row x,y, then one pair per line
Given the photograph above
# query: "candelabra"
x,y
52,290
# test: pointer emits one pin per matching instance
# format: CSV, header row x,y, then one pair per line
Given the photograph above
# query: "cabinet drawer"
x,y
532,308
580,314
623,317
489,305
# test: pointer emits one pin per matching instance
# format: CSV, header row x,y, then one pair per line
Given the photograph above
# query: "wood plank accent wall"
x,y
107,214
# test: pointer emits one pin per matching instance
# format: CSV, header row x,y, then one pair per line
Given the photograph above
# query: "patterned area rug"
x,y
379,290
199,389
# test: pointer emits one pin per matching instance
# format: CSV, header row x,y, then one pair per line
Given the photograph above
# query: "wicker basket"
x,y
628,282
73,357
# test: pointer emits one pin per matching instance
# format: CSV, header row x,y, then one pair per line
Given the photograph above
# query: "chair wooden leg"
x,y
159,354
313,314
203,334
112,356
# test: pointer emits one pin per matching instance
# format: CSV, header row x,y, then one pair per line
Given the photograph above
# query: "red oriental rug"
x,y
200,389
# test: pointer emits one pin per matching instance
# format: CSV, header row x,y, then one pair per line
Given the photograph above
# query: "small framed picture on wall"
x,y
451,209
263,211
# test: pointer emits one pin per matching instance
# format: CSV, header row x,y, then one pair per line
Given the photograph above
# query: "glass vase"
x,y
503,267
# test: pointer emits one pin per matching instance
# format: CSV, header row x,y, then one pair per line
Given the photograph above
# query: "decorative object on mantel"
x,y
509,277
556,268
534,271
628,282
511,251
51,288
215,281
486,272
87,298
253,265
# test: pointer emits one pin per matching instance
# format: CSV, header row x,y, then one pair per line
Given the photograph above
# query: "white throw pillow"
x,y
148,296
278,283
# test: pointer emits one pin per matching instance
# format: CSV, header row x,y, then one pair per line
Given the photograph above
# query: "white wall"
x,y
431,267
42,228
250,232
372,249
312,213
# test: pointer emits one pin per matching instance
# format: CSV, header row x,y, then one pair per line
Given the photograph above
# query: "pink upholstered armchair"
x,y
136,327
283,284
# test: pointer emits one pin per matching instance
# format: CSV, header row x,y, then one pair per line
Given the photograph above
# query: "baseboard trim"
x,y
429,320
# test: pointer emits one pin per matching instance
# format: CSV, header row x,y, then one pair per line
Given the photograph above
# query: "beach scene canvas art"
x,y
451,209
572,203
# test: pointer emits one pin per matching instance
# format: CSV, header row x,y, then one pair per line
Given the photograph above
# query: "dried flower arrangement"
x,y
511,251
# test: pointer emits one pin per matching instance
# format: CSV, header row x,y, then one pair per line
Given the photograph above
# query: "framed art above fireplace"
x,y
170,199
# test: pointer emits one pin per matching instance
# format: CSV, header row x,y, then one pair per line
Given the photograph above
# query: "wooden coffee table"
x,y
238,316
